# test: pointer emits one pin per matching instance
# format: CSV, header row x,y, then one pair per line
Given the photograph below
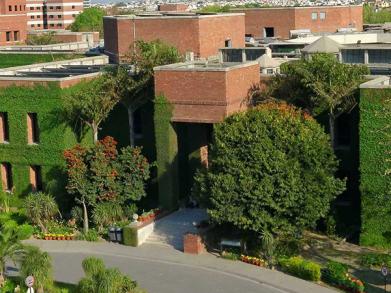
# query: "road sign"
x,y
29,281
384,271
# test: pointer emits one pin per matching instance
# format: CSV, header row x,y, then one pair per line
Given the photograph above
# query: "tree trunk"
x,y
95,130
42,226
131,127
2,280
85,218
332,130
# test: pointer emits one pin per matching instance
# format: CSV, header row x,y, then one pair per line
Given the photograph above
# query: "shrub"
x,y
25,231
301,268
107,213
375,259
40,208
337,274
100,279
38,264
287,247
130,236
92,236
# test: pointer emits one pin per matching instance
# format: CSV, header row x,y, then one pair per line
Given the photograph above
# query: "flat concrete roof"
x,y
179,15
204,66
365,46
294,7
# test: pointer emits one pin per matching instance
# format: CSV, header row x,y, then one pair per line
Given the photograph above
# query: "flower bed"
x,y
337,275
253,260
149,216
49,236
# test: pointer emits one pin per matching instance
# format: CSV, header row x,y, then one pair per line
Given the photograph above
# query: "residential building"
x,y
12,22
200,34
52,14
285,22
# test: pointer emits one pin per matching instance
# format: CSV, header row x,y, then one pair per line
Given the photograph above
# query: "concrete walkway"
x,y
169,230
166,270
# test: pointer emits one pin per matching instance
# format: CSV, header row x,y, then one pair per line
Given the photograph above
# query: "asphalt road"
x,y
161,276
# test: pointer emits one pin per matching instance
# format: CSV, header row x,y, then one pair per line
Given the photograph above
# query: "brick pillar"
x,y
33,178
4,176
192,244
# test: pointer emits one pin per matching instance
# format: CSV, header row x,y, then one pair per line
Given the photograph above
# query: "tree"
x,y
91,19
100,279
38,264
40,208
321,84
135,89
90,102
271,170
11,247
102,174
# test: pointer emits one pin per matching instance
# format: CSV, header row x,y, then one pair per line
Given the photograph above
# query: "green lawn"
x,y
10,60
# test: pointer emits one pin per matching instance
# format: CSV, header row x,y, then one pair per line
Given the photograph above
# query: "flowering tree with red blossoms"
x,y
101,174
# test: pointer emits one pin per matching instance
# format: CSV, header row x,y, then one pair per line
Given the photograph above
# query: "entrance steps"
x,y
169,230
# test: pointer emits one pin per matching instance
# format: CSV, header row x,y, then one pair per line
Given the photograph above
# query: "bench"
x,y
232,243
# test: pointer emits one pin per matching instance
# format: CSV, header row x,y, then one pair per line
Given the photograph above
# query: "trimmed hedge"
x,y
375,184
301,268
54,137
129,236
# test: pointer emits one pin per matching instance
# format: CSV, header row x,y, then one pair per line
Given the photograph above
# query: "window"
x,y
8,36
20,7
73,6
32,25
59,16
32,16
35,178
31,8
59,24
58,7
314,15
4,130
16,35
38,16
16,7
268,32
228,43
51,16
32,128
38,8
269,71
73,15
52,24
39,25
9,8
50,7
322,15
6,177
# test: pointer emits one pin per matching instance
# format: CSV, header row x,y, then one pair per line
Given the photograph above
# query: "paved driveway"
x,y
166,270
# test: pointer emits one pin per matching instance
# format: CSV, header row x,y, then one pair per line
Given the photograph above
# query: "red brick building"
x,y
12,21
189,32
281,21
52,14
178,7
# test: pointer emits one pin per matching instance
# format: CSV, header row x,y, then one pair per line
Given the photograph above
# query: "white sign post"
x,y
29,283
384,272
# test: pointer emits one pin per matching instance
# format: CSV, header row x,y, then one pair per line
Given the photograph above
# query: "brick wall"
x,y
203,35
178,7
206,96
283,20
13,28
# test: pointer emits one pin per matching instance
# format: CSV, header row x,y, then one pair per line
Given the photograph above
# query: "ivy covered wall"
x,y
54,136
375,184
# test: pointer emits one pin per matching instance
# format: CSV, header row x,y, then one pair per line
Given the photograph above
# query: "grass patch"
x,y
65,288
10,60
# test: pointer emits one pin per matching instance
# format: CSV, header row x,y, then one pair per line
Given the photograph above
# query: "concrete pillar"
x,y
366,57
244,58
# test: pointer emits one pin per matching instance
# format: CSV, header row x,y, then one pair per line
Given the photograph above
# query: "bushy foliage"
x,y
38,264
100,279
102,174
267,166
40,208
90,20
337,274
301,268
377,16
41,39
375,260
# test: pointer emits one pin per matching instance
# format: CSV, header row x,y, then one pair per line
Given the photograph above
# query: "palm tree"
x,y
10,247
39,265
40,208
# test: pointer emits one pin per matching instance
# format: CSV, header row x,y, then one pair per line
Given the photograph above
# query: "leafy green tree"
x,y
135,89
102,174
271,170
90,102
215,9
320,84
40,208
38,264
11,248
373,15
90,20
100,279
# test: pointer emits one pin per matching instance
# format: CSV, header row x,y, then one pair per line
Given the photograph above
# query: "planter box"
x,y
192,243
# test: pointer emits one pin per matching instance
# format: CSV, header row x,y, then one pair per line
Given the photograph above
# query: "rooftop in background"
x,y
65,73
20,59
173,14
